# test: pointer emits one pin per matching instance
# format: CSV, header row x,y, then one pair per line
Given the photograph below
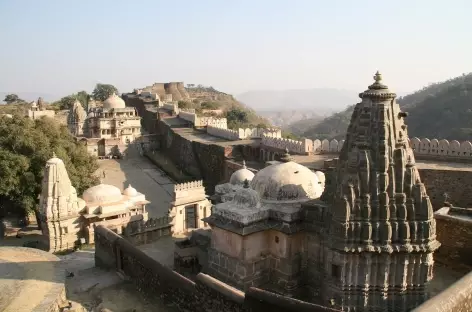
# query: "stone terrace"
x,y
142,175
180,127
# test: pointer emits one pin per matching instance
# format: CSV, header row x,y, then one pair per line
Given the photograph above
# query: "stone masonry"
x,y
380,233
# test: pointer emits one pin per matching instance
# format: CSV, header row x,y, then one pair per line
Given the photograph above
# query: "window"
x,y
335,271
65,230
276,239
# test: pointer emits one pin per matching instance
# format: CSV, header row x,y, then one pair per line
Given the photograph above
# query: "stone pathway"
x,y
144,176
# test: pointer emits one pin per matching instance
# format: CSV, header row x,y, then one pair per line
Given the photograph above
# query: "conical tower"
x,y
381,233
58,207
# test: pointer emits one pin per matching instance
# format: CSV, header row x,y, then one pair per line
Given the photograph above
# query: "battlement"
x,y
188,186
223,133
203,121
242,133
435,147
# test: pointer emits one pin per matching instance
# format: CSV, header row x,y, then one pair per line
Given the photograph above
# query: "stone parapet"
x,y
243,133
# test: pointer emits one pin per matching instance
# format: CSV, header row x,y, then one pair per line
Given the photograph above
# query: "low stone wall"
x,y
145,232
454,231
205,294
455,298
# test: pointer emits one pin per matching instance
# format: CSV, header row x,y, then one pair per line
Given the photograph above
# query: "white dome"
x,y
239,176
287,182
130,191
102,194
321,176
114,101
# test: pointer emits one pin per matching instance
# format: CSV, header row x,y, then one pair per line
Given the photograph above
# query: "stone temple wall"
x,y
205,294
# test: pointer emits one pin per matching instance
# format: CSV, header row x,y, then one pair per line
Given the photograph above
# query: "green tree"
x,y
237,117
103,91
12,98
65,102
25,146
83,97
210,105
184,104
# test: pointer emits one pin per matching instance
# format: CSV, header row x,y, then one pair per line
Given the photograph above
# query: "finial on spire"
x,y
378,77
129,185
54,155
244,164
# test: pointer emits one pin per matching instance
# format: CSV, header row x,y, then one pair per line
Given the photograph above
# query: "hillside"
x,y
208,101
442,110
30,96
283,119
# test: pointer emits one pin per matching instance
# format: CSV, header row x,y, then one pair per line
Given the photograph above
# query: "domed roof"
x,y
114,101
130,191
287,181
102,194
239,176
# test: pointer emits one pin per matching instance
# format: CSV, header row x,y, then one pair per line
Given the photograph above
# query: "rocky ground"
x,y
93,288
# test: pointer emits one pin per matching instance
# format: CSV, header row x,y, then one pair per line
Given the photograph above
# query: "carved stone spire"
x,y
379,206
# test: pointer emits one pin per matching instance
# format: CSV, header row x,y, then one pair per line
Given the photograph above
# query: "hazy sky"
x,y
60,47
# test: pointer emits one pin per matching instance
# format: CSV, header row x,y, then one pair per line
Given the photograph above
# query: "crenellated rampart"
x,y
223,133
242,133
442,149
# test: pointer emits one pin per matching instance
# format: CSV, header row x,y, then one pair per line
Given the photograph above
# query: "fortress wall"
x,y
198,159
293,146
223,133
202,121
192,117
159,88
205,294
171,88
183,92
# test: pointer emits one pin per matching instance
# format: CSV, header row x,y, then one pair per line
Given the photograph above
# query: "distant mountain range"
x,y
441,110
285,107
30,96
322,101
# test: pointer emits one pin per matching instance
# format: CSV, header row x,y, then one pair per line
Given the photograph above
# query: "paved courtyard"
x,y
144,176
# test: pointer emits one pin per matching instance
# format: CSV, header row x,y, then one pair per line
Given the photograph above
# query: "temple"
x,y
106,130
68,220
362,242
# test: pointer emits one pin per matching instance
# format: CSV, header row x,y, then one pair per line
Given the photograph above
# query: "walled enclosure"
x,y
208,294
205,294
